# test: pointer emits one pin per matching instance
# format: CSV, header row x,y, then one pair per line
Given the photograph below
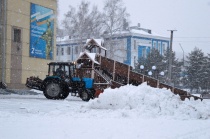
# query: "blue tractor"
x,y
61,81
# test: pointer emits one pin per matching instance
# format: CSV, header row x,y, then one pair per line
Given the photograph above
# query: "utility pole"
x,y
170,56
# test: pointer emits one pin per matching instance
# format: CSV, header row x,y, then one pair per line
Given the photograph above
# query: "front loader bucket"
x,y
34,83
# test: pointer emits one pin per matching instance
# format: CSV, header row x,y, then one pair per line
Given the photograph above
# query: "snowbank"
x,y
129,112
19,92
146,101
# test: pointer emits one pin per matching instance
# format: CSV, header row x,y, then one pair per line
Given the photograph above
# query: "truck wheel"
x,y
64,95
52,90
84,96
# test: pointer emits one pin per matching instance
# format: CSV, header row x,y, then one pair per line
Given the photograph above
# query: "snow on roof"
x,y
98,42
142,32
65,38
90,55
139,31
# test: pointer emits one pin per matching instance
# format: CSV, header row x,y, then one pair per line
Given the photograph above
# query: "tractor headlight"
x,y
67,80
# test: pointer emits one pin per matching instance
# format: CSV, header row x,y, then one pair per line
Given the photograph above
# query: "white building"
x,y
126,46
130,46
68,49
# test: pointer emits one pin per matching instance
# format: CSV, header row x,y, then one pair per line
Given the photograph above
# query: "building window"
x,y
76,50
68,50
163,48
57,52
144,53
159,49
62,51
154,44
134,44
94,50
17,35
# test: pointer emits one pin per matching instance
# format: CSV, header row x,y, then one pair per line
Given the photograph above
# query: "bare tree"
x,y
114,16
115,19
83,23
59,31
96,22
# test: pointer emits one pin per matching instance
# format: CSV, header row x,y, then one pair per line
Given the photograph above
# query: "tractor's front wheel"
x,y
52,90
84,95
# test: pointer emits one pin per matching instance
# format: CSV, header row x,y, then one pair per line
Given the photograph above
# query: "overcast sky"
x,y
191,19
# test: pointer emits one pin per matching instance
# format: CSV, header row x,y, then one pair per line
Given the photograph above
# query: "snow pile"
x,y
144,100
124,113
19,92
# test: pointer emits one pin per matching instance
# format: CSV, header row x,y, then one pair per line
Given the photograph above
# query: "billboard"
x,y
41,32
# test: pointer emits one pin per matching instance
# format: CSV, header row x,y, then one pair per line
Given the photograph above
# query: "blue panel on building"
x,y
140,51
128,61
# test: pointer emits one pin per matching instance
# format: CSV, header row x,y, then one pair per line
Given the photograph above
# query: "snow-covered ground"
x,y
129,112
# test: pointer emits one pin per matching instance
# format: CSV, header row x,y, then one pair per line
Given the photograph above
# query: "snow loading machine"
x,y
90,74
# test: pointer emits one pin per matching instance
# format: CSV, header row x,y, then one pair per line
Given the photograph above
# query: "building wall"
x,y
19,64
64,55
143,47
137,46
117,48
125,49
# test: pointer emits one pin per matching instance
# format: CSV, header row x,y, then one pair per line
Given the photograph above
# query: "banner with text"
x,y
41,32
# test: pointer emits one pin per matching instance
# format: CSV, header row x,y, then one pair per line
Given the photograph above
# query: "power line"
x,y
193,37
194,41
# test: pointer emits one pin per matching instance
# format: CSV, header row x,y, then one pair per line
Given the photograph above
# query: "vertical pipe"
x,y
113,76
129,68
72,49
100,59
4,42
183,52
92,70
2,33
158,83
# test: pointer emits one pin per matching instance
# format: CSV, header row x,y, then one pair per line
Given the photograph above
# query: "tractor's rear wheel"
x,y
64,95
84,95
52,90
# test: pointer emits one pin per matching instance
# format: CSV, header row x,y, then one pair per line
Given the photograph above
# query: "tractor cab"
x,y
61,69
